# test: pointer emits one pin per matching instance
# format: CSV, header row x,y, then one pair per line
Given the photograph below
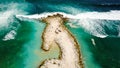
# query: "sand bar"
x,y
56,32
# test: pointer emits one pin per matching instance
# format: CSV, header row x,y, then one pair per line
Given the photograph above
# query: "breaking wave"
x,y
8,21
100,24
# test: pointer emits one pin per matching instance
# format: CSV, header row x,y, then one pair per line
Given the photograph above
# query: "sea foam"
x,y
85,20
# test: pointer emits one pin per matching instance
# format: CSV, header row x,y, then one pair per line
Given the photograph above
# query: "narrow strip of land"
x,y
56,32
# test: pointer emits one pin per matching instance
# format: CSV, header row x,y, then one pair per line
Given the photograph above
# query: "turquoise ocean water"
x,y
20,40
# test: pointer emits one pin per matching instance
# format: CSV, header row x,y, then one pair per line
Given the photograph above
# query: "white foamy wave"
x,y
111,15
46,14
85,20
7,18
6,15
94,27
10,35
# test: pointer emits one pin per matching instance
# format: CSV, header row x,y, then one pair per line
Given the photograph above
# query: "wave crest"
x,y
100,24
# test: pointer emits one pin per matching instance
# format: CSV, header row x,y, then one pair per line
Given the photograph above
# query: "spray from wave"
x,y
100,24
112,15
7,19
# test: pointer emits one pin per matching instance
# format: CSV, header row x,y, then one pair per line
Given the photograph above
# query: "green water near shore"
x,y
24,51
84,40
103,54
